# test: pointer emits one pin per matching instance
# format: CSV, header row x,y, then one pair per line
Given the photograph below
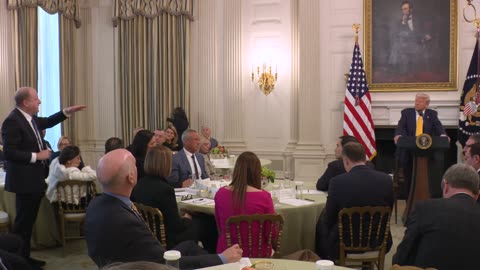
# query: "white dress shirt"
x,y
190,161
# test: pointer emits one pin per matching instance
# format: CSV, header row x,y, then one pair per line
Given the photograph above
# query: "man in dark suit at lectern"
x,y
26,157
413,122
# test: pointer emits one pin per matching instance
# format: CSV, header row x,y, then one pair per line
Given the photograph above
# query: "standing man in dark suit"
x,y
360,186
413,122
115,231
188,164
26,159
444,233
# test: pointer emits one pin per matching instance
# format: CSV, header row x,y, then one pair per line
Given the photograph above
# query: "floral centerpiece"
x,y
219,152
268,174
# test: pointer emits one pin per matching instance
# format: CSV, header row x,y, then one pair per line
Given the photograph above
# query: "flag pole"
x,y
477,92
355,27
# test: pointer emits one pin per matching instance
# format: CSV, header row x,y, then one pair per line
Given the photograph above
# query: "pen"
x,y
310,200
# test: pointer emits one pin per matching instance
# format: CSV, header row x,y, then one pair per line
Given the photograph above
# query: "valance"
x,y
68,8
129,9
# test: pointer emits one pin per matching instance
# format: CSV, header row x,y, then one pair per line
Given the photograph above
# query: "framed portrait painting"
x,y
411,45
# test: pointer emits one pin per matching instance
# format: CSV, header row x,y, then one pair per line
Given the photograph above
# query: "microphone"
x,y
420,113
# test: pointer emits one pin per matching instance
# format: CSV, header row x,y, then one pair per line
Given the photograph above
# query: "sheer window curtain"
x,y
154,38
25,39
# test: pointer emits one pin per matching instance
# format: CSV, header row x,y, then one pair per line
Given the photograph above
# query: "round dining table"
x,y
278,264
299,221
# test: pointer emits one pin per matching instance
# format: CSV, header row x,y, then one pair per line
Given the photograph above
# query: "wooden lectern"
x,y
424,172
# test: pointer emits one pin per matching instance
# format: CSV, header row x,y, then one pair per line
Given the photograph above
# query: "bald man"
x,y
115,233
26,160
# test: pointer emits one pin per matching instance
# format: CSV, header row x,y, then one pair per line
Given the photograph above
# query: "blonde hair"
x,y
175,138
158,162
423,96
61,139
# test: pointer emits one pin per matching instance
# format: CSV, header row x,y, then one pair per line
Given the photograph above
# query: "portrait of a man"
x,y
410,41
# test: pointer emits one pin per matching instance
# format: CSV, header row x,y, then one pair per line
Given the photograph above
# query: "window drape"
x,y
153,77
26,42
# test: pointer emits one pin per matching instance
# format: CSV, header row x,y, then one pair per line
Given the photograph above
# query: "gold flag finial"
x,y
355,27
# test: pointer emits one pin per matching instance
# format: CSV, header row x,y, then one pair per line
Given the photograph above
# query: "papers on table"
x,y
296,202
185,191
181,193
200,201
283,194
313,191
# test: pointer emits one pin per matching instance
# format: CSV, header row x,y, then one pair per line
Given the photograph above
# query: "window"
x,y
49,70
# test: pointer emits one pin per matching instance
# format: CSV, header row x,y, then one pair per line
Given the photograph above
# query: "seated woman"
x,y
243,196
65,167
154,190
63,142
143,140
171,138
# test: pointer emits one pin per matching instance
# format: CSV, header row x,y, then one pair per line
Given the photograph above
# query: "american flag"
x,y
357,117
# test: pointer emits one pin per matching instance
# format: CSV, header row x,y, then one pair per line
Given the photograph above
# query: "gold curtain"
x,y
67,71
26,43
153,60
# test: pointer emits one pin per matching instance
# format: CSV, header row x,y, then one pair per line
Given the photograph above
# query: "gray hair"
x,y
462,176
22,94
186,134
423,96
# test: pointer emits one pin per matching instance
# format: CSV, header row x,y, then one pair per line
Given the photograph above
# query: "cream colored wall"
x,y
296,126
298,123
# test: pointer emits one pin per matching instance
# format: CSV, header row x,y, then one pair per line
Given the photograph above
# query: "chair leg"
x,y
62,234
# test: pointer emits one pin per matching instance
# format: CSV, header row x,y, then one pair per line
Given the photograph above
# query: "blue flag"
x,y
469,118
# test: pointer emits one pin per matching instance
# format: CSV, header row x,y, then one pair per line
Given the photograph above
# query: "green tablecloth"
x,y
45,230
300,221
278,265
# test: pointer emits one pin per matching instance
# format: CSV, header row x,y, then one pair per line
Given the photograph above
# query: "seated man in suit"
x,y
335,167
472,156
413,122
188,164
475,138
444,233
115,231
360,186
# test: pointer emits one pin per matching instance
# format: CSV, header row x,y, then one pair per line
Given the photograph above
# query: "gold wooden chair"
x,y
153,217
72,206
267,223
368,242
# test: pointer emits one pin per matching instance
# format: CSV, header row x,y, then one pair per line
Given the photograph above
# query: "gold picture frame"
x,y
403,63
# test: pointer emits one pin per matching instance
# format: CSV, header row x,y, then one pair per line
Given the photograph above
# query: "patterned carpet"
x,y
76,257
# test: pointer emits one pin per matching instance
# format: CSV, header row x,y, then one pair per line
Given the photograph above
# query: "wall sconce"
x,y
266,80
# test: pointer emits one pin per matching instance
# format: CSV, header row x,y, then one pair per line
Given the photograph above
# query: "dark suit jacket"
x,y
156,192
115,234
334,168
443,234
407,124
19,141
362,186
181,168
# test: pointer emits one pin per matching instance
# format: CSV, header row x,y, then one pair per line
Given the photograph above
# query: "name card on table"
x,y
283,194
